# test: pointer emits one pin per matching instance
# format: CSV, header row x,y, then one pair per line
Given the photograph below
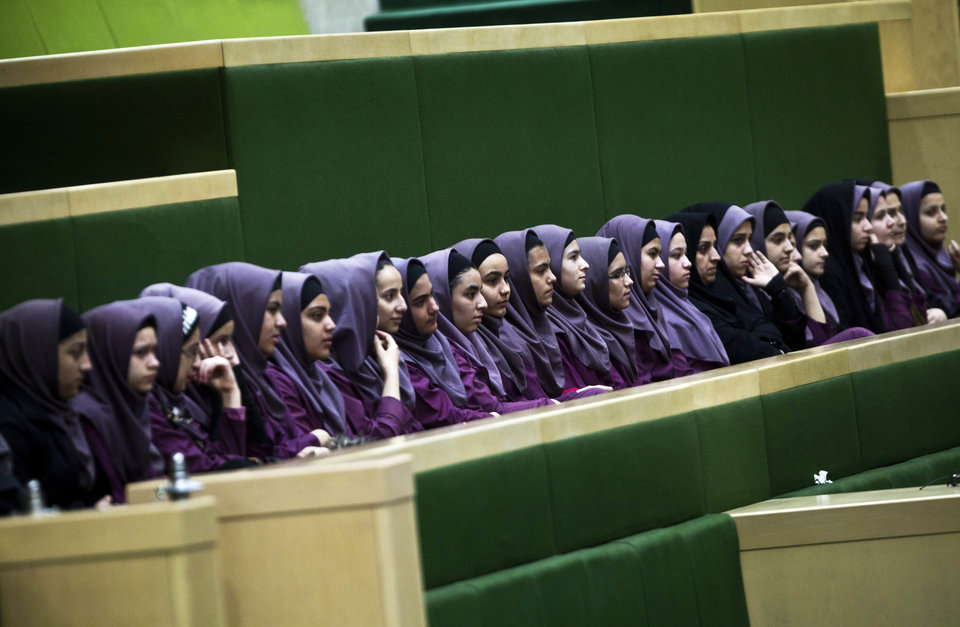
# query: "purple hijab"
x,y
437,264
247,288
508,361
291,357
208,307
351,285
106,399
688,329
614,326
29,339
644,310
432,353
732,219
758,211
803,223
565,313
528,331
932,262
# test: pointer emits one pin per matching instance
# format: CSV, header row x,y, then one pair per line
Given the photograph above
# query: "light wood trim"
x,y
103,63
164,190
509,37
119,530
846,517
666,27
796,369
903,345
725,386
45,204
300,49
923,104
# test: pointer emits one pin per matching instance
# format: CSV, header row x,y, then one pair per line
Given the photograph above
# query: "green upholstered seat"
x,y
38,261
509,141
328,159
111,129
811,428
121,252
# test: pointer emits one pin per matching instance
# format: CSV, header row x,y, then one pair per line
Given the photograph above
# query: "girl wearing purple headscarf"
x,y
890,226
457,290
442,397
256,297
586,357
365,294
177,422
122,341
43,359
640,249
936,264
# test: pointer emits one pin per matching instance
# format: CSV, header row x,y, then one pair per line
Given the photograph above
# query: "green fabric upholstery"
x,y
811,428
509,598
623,481
669,591
121,252
560,584
328,159
38,262
673,124
733,454
69,25
802,135
414,14
484,515
111,129
615,585
19,36
714,548
458,605
509,142
908,409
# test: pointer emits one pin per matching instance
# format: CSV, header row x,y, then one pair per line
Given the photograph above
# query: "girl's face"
x,y
650,265
495,284
933,219
780,247
814,251
467,301
738,250
142,371
860,227
900,221
273,324
72,363
619,283
189,360
541,277
707,255
222,339
318,328
884,222
573,270
678,264
390,302
423,307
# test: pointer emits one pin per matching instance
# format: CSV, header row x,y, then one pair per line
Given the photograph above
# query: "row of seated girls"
x,y
244,365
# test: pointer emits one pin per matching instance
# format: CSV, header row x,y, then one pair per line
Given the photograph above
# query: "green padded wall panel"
x,y
71,25
714,549
908,409
111,129
121,252
509,598
817,108
19,36
328,159
468,515
615,585
669,589
811,428
38,261
673,124
456,605
623,481
509,142
560,582
733,455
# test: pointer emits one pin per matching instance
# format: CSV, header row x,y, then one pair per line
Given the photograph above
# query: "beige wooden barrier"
x,y
154,564
887,557
307,543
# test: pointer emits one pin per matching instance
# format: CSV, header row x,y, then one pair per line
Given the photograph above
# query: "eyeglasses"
x,y
620,274
191,353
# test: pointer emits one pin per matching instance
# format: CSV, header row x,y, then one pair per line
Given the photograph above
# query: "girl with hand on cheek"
x,y
256,297
366,303
458,293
